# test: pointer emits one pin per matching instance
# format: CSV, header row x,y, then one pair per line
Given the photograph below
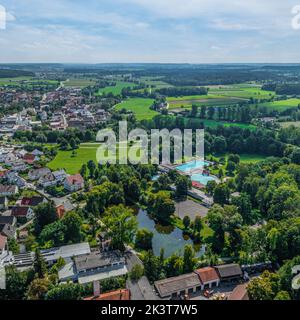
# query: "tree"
x,y
92,167
161,205
136,272
295,156
189,261
282,295
83,171
45,214
230,167
186,221
16,284
72,223
38,289
198,225
143,239
65,291
53,232
152,266
221,194
235,158
264,287
39,264
210,187
183,184
244,206
121,225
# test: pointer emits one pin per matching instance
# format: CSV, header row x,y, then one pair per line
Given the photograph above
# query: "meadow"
x,y
86,151
117,89
282,105
139,106
288,124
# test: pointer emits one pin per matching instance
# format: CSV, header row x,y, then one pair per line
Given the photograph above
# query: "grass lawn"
x,y
282,105
79,83
139,106
117,89
156,82
245,158
86,151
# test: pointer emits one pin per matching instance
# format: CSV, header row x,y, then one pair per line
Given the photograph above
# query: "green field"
x,y
79,83
155,82
282,105
215,124
288,124
221,96
139,106
86,151
117,89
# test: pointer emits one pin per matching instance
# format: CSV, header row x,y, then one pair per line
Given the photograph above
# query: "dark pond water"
x,y
168,237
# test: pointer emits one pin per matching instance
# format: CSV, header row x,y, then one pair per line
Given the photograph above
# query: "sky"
x,y
164,31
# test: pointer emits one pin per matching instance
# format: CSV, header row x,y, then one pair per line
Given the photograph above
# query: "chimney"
x,y
96,287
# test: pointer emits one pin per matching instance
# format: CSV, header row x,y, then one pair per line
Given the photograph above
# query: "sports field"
x,y
87,151
139,106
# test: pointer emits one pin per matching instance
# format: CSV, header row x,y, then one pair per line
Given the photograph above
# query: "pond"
x,y
168,237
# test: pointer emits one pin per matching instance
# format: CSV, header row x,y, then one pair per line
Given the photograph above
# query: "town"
x,y
221,227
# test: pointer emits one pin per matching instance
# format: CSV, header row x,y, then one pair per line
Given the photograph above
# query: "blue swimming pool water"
x,y
192,165
198,177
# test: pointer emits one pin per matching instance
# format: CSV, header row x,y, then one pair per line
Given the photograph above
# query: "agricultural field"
x,y
25,81
139,106
155,82
79,83
282,105
208,100
117,89
221,95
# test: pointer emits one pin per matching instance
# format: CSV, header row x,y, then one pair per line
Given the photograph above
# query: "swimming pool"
x,y
192,165
198,177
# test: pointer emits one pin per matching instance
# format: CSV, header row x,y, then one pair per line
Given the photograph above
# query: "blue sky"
x,y
194,31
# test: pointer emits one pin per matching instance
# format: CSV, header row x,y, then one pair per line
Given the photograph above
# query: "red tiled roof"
x,y
122,294
19,211
198,185
33,201
207,274
239,293
3,241
29,156
75,179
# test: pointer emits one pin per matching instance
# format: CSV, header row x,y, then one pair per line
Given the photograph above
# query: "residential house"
x,y
178,286
7,230
37,153
19,166
30,158
8,190
74,183
60,175
3,245
22,212
47,181
208,277
14,178
32,201
35,174
3,203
